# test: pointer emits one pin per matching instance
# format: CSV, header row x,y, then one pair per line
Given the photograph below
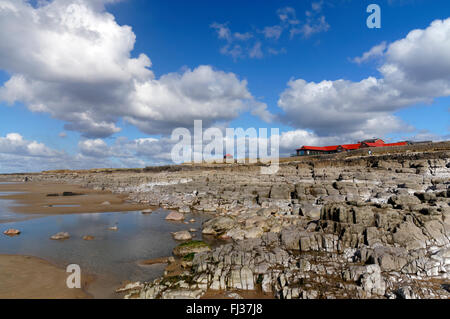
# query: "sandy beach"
x,y
33,198
37,279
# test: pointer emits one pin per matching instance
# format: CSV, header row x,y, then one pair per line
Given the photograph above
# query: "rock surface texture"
x,y
321,227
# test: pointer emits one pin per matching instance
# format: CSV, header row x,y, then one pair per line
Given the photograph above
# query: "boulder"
x,y
182,235
371,236
175,216
60,236
266,212
364,215
218,225
254,232
290,238
403,201
281,191
310,211
184,209
405,292
409,235
436,230
388,258
368,277
372,282
11,232
236,233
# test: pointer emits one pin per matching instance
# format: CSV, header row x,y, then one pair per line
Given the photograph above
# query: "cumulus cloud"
x,y
20,155
148,150
94,148
15,144
179,99
376,51
261,111
71,59
415,70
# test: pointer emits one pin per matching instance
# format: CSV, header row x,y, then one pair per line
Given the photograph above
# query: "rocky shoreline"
x,y
334,227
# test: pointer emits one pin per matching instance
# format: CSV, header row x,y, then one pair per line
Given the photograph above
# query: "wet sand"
x,y
26,277
32,199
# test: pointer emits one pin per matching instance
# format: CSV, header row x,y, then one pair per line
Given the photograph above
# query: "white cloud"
x,y
260,110
376,51
234,50
312,24
236,46
71,59
425,135
288,15
20,155
15,144
415,70
273,32
94,148
202,93
243,36
255,51
141,150
223,31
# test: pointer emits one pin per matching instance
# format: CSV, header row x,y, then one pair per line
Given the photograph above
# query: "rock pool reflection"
x,y
111,256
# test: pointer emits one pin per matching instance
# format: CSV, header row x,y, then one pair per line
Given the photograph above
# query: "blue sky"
x,y
68,86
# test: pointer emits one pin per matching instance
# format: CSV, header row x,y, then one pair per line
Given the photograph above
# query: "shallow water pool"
x,y
111,256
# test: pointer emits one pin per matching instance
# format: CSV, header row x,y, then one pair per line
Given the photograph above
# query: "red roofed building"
x,y
317,150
